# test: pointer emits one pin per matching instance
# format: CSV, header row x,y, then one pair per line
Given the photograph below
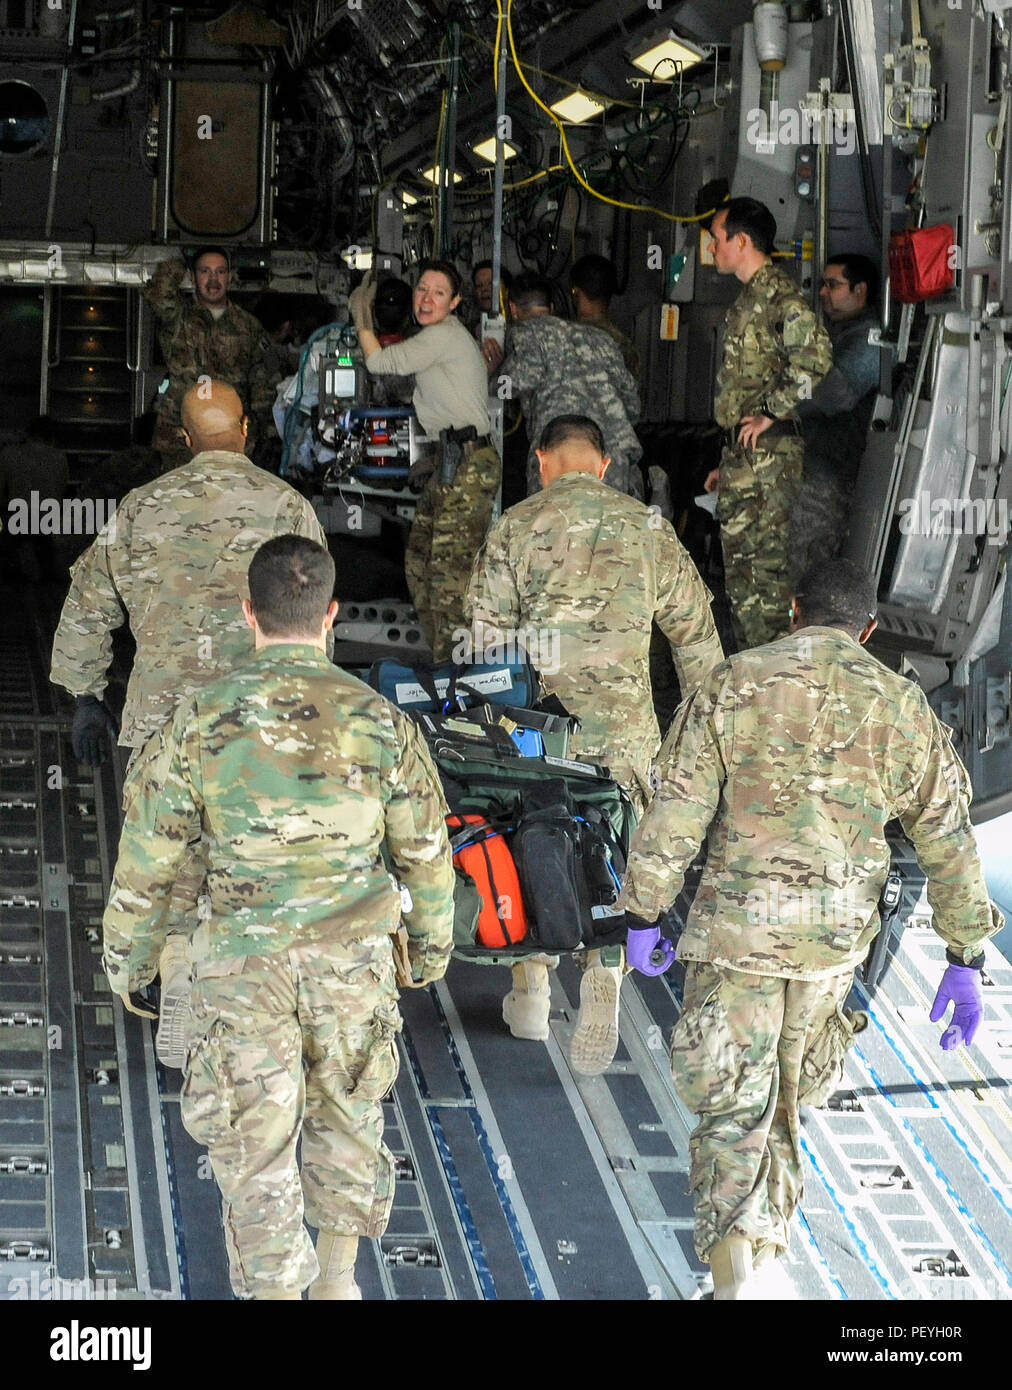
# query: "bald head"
x,y
213,418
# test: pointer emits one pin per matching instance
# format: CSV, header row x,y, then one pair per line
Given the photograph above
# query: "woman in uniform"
x,y
450,400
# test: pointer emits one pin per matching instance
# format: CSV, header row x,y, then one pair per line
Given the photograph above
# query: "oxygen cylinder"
x,y
769,30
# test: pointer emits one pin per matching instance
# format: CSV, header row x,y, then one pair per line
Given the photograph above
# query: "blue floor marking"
x,y
851,1227
929,1158
926,1092
477,1251
491,1162
814,1245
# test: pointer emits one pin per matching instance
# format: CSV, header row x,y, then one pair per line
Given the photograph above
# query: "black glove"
x,y
92,723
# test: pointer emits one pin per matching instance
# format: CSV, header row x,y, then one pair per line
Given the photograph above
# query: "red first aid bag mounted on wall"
x,y
481,852
921,263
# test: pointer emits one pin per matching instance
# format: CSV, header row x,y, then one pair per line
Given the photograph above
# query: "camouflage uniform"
x,y
790,759
625,345
296,780
450,523
233,348
451,393
174,559
595,568
835,423
775,350
561,368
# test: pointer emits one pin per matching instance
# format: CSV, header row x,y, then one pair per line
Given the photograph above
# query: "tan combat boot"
x,y
336,1280
526,1008
595,1039
176,969
731,1266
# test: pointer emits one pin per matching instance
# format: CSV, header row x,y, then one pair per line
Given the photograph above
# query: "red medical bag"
x,y
481,852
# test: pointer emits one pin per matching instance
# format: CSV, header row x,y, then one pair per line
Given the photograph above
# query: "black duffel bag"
x,y
568,863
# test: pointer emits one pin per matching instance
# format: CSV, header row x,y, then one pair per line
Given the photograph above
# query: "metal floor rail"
x,y
517,1179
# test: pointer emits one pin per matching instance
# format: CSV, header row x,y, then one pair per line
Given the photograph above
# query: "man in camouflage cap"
x,y
775,351
559,368
173,561
301,785
203,336
589,571
790,759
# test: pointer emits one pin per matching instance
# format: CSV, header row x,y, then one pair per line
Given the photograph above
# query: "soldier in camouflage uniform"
x,y
173,561
594,283
463,469
297,780
205,335
791,759
775,351
590,571
560,368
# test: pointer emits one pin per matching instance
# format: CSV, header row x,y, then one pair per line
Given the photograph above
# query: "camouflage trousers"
x,y
183,904
295,1045
818,525
757,488
747,1051
449,528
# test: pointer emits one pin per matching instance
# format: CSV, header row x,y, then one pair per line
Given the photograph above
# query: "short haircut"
x,y
291,582
505,276
392,307
837,593
595,276
754,219
858,270
209,251
577,427
531,289
444,268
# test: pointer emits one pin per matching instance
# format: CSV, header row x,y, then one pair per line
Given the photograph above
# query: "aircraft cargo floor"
x,y
517,1179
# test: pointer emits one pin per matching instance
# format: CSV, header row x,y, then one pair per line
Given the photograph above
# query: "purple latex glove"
x,y
647,951
961,987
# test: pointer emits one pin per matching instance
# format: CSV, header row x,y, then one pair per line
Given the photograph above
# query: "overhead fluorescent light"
x,y
576,108
408,199
665,51
435,175
485,149
357,260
